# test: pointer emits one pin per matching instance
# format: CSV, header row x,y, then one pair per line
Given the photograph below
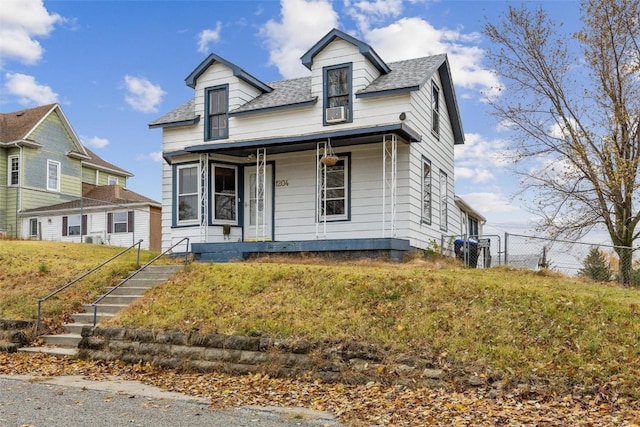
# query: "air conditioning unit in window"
x,y
336,114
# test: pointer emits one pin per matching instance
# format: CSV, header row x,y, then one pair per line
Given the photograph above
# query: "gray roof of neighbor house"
x,y
99,196
17,126
99,163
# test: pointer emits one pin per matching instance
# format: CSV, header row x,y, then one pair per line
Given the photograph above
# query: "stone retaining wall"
x,y
232,354
14,334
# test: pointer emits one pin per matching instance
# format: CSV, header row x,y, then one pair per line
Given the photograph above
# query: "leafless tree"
x,y
572,102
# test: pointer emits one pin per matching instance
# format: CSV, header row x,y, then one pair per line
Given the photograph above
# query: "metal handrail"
x,y
125,280
41,300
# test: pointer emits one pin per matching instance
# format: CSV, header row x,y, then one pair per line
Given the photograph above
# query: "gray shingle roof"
x,y
406,74
184,113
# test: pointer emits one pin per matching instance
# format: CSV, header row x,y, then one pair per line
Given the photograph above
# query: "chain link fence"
x,y
572,258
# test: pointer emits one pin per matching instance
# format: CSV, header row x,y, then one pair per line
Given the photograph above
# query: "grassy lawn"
x,y
30,270
501,322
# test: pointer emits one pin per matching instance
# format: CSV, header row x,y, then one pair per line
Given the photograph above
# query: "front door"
x,y
258,205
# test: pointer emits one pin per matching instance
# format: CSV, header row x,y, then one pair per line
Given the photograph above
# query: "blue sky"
x,y
115,66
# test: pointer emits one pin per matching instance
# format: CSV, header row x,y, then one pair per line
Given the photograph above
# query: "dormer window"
x,y
337,87
216,110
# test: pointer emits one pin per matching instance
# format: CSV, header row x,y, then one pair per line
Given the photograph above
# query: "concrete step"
x,y
87,318
119,299
58,351
141,283
62,340
127,290
75,328
104,308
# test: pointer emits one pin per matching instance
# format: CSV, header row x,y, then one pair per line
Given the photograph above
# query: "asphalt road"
x,y
75,402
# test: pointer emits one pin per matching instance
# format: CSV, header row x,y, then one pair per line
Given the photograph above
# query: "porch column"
x,y
389,187
260,192
204,197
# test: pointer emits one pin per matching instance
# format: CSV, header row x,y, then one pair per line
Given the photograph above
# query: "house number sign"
x,y
282,183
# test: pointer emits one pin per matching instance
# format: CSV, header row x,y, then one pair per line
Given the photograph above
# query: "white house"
x,y
246,163
105,214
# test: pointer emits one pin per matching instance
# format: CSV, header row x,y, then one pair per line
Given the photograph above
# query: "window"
x,y
337,84
225,195
73,225
444,201
33,227
112,180
120,222
333,191
216,111
187,194
426,191
473,228
435,109
53,175
14,171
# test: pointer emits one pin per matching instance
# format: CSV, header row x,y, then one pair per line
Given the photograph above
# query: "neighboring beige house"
x,y
45,169
357,156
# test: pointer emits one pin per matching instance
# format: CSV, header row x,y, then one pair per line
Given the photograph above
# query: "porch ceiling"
x,y
339,138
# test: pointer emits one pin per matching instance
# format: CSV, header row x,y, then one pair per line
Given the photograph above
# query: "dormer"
x,y
340,66
221,87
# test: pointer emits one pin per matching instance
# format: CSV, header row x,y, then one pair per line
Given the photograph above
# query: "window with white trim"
x,y
53,175
435,109
334,191
120,222
444,201
216,110
225,194
337,90
187,194
112,180
74,224
14,170
426,191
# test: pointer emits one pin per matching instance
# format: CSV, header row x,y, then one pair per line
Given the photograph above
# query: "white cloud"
x,y
28,90
476,149
367,13
95,142
21,22
302,24
154,156
489,202
142,95
398,41
207,36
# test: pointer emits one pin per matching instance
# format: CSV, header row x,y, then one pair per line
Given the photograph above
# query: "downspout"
x,y
19,189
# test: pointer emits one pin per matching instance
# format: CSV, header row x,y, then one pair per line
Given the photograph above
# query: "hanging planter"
x,y
329,158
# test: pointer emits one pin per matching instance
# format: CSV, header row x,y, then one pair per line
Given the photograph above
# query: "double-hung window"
x,y
435,109
33,227
225,194
187,194
337,92
333,191
14,171
74,225
444,201
120,222
112,180
53,175
216,110
426,191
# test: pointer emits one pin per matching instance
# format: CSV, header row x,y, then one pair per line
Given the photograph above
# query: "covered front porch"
x,y
267,190
386,248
